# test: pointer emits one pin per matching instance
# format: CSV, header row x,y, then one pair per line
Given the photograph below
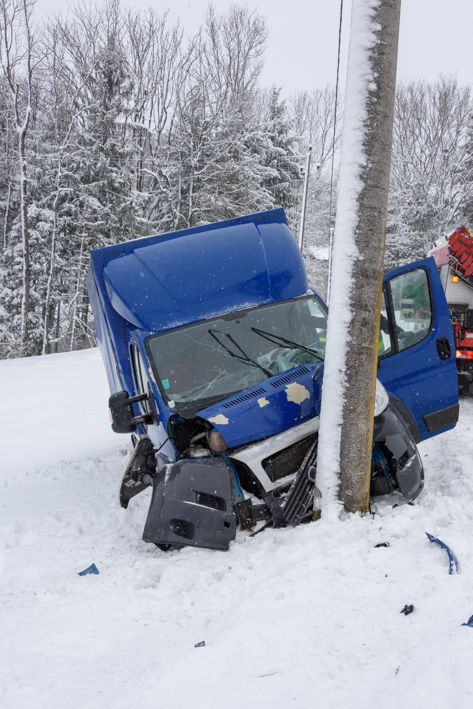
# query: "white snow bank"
x,y
53,408
291,618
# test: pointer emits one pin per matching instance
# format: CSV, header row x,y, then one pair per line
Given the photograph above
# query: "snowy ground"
x,y
291,618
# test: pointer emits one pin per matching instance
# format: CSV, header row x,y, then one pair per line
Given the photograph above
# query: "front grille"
x,y
288,460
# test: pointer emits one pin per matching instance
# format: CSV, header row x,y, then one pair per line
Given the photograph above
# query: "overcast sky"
x,y
436,37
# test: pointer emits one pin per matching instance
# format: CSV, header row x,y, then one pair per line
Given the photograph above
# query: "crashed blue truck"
x,y
213,344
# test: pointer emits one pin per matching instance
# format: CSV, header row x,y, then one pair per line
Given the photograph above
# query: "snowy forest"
x,y
116,124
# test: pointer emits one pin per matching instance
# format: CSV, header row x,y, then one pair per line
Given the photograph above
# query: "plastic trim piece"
x,y
442,418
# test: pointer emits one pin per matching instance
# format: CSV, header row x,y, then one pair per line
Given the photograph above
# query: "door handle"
x,y
443,347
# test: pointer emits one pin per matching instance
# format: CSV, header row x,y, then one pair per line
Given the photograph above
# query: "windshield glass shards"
x,y
214,359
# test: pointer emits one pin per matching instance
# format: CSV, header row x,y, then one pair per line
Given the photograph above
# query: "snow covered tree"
x,y
466,176
98,167
18,61
313,114
429,166
280,154
203,164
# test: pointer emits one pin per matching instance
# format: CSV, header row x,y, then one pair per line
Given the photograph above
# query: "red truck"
x,y
454,258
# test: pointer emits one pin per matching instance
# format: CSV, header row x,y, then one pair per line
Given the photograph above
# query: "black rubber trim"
x,y
407,417
442,418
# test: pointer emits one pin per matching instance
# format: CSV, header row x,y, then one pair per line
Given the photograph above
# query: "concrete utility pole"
x,y
346,431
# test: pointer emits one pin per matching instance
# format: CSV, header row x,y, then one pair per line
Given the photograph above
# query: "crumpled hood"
x,y
274,405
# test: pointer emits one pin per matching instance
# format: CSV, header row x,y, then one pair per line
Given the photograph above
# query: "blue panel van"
x,y
214,343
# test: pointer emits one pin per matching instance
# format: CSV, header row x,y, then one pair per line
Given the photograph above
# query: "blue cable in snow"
x,y
453,561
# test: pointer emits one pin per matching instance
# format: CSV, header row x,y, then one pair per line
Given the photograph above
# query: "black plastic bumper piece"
x,y
250,514
192,505
393,437
141,466
442,418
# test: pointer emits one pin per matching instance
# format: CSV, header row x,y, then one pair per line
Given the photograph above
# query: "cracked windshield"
x,y
219,357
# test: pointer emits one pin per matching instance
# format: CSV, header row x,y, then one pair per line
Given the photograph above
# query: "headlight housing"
x,y
381,399
217,443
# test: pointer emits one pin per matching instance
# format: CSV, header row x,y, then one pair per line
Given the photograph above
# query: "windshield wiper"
x,y
277,339
243,357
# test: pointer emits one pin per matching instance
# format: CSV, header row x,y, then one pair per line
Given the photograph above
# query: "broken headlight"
x,y
381,400
217,443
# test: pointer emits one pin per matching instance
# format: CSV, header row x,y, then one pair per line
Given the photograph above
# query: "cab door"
x,y
416,349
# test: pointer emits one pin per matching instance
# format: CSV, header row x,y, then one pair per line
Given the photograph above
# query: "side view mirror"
x,y
123,417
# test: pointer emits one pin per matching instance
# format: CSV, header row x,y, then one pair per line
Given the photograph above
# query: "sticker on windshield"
x,y
165,383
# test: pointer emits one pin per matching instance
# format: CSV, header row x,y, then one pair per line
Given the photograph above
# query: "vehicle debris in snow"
x,y
382,544
407,609
201,644
452,559
470,622
92,569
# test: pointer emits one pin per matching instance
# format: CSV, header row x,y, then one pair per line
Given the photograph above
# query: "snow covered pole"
x,y
304,198
346,426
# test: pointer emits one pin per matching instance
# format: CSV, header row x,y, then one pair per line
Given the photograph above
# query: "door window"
x,y
411,306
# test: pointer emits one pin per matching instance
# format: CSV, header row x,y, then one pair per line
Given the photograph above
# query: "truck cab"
x,y
214,344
